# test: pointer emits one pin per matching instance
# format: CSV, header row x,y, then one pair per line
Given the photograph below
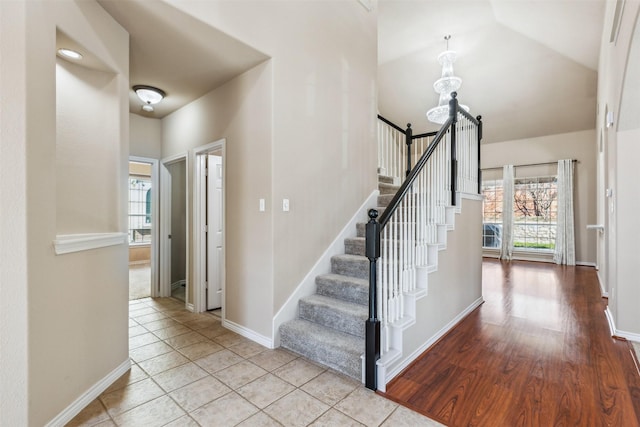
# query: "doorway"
x,y
142,227
174,271
209,229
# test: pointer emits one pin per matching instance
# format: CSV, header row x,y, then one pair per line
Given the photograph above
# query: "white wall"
x,y
68,313
573,145
617,93
240,112
452,289
322,155
145,136
14,366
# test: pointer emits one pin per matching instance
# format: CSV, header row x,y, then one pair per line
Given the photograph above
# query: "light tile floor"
x,y
188,370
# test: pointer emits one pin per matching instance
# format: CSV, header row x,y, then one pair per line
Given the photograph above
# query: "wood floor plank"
x,y
538,352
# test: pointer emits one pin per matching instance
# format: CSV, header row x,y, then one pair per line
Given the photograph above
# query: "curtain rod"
x,y
528,164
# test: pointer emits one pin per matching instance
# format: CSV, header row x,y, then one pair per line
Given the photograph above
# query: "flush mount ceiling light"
x,y
70,54
444,86
149,95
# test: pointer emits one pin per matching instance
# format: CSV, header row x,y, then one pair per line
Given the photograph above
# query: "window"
x,y
535,208
492,214
535,213
139,209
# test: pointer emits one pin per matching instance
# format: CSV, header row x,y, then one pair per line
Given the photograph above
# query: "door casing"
x,y
199,221
154,290
165,227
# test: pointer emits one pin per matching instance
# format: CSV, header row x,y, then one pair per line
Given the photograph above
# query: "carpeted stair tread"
x,y
385,179
351,289
385,199
332,348
388,188
333,313
350,265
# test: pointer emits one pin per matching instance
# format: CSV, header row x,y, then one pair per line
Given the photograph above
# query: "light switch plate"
x,y
262,205
285,205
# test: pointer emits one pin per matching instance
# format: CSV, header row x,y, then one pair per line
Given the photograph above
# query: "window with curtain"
x,y
492,213
535,213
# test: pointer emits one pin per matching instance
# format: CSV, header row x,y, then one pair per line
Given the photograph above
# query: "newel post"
x,y
479,118
453,114
408,140
372,332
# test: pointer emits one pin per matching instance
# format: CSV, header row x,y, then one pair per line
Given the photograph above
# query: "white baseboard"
x,y
190,307
612,323
446,328
628,335
601,284
631,336
248,333
89,396
586,264
307,286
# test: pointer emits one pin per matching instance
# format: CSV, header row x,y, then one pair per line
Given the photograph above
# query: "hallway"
x,y
188,370
538,352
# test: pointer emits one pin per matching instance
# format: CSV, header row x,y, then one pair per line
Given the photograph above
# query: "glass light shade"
x,y
149,94
444,86
68,53
447,84
440,114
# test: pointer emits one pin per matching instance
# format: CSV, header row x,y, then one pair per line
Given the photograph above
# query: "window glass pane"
x,y
535,213
139,209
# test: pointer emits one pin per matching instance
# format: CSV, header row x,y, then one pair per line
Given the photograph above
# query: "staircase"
x,y
331,323
404,241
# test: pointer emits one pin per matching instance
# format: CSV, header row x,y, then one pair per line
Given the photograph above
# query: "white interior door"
x,y
215,233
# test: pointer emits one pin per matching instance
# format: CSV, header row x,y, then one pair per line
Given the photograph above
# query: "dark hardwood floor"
x,y
538,352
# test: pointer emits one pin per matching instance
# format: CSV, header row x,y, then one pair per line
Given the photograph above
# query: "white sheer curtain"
x,y
506,252
565,252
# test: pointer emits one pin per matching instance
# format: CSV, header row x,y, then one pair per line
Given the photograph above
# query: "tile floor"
x,y
187,370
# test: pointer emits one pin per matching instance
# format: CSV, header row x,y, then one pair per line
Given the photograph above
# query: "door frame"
x,y
165,226
199,221
154,290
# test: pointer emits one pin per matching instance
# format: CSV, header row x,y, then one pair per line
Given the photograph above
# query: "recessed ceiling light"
x,y
71,54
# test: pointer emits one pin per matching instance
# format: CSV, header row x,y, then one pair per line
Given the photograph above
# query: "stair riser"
x,y
351,366
343,291
338,357
358,268
358,247
338,320
385,199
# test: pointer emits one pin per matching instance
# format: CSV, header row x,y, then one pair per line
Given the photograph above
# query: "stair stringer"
x,y
394,332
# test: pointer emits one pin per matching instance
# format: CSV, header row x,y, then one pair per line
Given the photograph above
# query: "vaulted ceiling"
x,y
529,67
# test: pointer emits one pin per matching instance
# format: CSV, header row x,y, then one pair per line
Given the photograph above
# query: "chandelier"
x,y
444,86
